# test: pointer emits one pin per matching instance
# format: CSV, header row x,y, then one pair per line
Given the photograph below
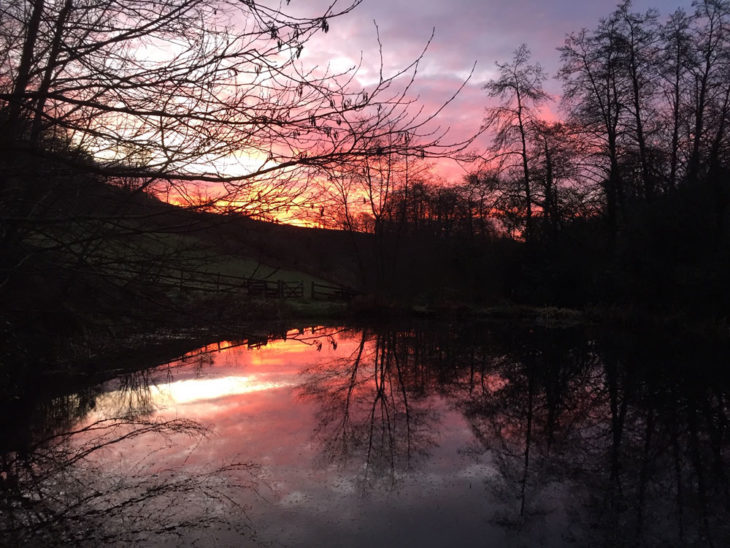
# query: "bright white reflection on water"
x,y
192,390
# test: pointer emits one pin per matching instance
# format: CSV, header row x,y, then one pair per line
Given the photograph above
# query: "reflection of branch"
x,y
316,334
405,404
350,389
365,411
63,491
631,440
528,441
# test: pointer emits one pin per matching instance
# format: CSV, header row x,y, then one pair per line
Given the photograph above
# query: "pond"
x,y
434,435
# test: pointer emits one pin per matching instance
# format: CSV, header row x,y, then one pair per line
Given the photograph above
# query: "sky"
x,y
466,32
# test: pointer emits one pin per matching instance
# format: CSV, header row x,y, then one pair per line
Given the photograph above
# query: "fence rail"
x,y
332,292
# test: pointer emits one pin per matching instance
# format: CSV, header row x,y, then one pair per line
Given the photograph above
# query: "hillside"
x,y
84,262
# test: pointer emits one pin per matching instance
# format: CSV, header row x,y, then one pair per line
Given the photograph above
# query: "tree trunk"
x,y
48,73
525,169
23,77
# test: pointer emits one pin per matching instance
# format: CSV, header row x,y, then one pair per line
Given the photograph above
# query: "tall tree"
x,y
554,153
710,43
638,35
519,88
675,63
593,96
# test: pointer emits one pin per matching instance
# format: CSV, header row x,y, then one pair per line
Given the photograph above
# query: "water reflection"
x,y
461,434
616,440
367,410
72,489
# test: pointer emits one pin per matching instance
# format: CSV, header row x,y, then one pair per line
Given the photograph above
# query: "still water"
x,y
430,436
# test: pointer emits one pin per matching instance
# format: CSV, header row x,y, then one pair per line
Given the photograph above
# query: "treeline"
x,y
646,102
645,143
624,201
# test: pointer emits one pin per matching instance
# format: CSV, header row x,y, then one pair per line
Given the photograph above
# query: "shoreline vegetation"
x,y
95,356
61,315
85,363
59,310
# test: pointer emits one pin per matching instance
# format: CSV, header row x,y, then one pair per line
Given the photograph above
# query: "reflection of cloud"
x,y
186,391
210,389
295,498
477,471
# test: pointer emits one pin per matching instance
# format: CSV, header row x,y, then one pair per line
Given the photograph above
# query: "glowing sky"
x,y
467,31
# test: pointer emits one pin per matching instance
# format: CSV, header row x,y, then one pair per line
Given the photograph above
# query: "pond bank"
x,y
108,347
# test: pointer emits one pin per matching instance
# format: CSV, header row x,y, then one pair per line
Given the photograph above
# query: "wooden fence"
x,y
195,280
278,289
332,292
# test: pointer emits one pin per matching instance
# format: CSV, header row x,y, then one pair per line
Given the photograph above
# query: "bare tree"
x,y
638,33
555,172
593,96
519,87
203,92
205,104
675,63
711,47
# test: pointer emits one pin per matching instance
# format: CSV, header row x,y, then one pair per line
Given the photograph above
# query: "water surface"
x,y
431,436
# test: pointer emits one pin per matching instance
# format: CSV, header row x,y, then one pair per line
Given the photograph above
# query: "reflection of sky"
x,y
249,399
195,390
291,413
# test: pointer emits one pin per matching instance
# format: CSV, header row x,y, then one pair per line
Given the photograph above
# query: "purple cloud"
x,y
466,32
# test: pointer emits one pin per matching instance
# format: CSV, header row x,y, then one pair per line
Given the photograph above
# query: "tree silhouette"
x,y
209,105
519,86
170,93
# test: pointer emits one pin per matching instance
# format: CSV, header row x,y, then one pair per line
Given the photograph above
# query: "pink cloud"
x,y
466,31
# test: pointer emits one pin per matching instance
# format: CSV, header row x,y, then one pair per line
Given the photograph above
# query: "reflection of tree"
x,y
521,403
624,436
63,490
630,427
369,409
61,483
